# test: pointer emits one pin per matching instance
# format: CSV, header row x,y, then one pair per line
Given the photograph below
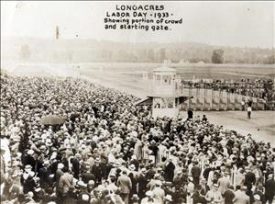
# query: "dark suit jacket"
x,y
196,171
97,172
250,178
270,187
75,167
86,177
169,172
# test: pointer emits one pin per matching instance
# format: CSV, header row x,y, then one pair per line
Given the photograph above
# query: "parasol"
x,y
53,120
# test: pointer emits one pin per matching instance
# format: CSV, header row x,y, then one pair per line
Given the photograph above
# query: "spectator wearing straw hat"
x,y
135,199
149,199
27,179
59,172
257,199
159,193
168,199
213,195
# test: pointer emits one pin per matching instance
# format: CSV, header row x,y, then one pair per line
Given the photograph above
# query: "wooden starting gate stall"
x,y
207,102
215,101
192,101
203,99
223,100
199,103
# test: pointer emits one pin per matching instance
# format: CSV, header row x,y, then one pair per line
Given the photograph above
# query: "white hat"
x,y
81,184
168,197
158,183
257,197
91,182
38,189
30,152
149,193
85,197
16,163
30,194
60,166
49,142
132,167
53,156
143,170
28,167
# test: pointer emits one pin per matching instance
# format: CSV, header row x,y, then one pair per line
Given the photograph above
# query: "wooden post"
x,y
235,100
189,100
204,98
212,99
198,99
227,100
219,104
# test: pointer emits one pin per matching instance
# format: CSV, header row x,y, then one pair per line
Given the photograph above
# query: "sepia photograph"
x,y
137,102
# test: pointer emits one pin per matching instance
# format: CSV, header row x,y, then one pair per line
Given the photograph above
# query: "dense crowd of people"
x,y
109,151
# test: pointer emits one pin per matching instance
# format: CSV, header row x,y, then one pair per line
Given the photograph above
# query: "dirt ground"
x,y
261,125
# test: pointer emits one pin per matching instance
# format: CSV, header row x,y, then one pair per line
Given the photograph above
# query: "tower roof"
x,y
164,69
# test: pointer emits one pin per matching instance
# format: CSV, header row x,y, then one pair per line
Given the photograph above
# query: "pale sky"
x,y
240,24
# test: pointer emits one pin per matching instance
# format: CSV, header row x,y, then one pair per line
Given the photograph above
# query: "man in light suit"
x,y
240,196
224,183
58,174
159,193
66,185
125,185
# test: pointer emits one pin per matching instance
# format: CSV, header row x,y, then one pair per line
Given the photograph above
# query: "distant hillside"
x,y
88,50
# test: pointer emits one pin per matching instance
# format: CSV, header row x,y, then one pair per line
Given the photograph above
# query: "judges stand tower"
x,y
165,97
